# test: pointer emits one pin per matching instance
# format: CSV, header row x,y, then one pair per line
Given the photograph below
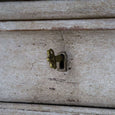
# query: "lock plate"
x,y
58,62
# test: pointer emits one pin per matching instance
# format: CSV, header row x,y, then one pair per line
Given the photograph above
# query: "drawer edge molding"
x,y
33,109
92,24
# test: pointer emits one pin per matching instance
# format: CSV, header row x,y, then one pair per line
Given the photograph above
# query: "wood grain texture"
x,y
25,75
35,109
91,24
33,10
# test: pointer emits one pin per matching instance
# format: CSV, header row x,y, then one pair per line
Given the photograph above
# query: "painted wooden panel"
x,y
25,75
32,10
35,109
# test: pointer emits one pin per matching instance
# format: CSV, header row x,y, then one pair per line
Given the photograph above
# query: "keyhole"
x,y
61,65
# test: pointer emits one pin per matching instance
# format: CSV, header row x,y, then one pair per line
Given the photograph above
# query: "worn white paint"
x,y
25,75
71,9
58,25
35,109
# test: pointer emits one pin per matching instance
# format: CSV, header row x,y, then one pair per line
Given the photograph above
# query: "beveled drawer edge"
x,y
92,24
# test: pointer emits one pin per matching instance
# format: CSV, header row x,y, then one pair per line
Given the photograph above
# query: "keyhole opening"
x,y
61,65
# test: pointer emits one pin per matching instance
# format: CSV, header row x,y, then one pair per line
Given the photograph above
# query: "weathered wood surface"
x,y
95,24
32,109
25,75
57,9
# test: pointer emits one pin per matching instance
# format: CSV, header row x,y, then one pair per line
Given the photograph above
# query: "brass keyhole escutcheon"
x,y
58,62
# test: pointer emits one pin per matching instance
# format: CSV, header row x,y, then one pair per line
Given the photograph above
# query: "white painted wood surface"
x,y
95,24
25,75
57,9
35,109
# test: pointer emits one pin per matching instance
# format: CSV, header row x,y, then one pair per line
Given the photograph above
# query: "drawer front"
x,y
25,75
56,9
